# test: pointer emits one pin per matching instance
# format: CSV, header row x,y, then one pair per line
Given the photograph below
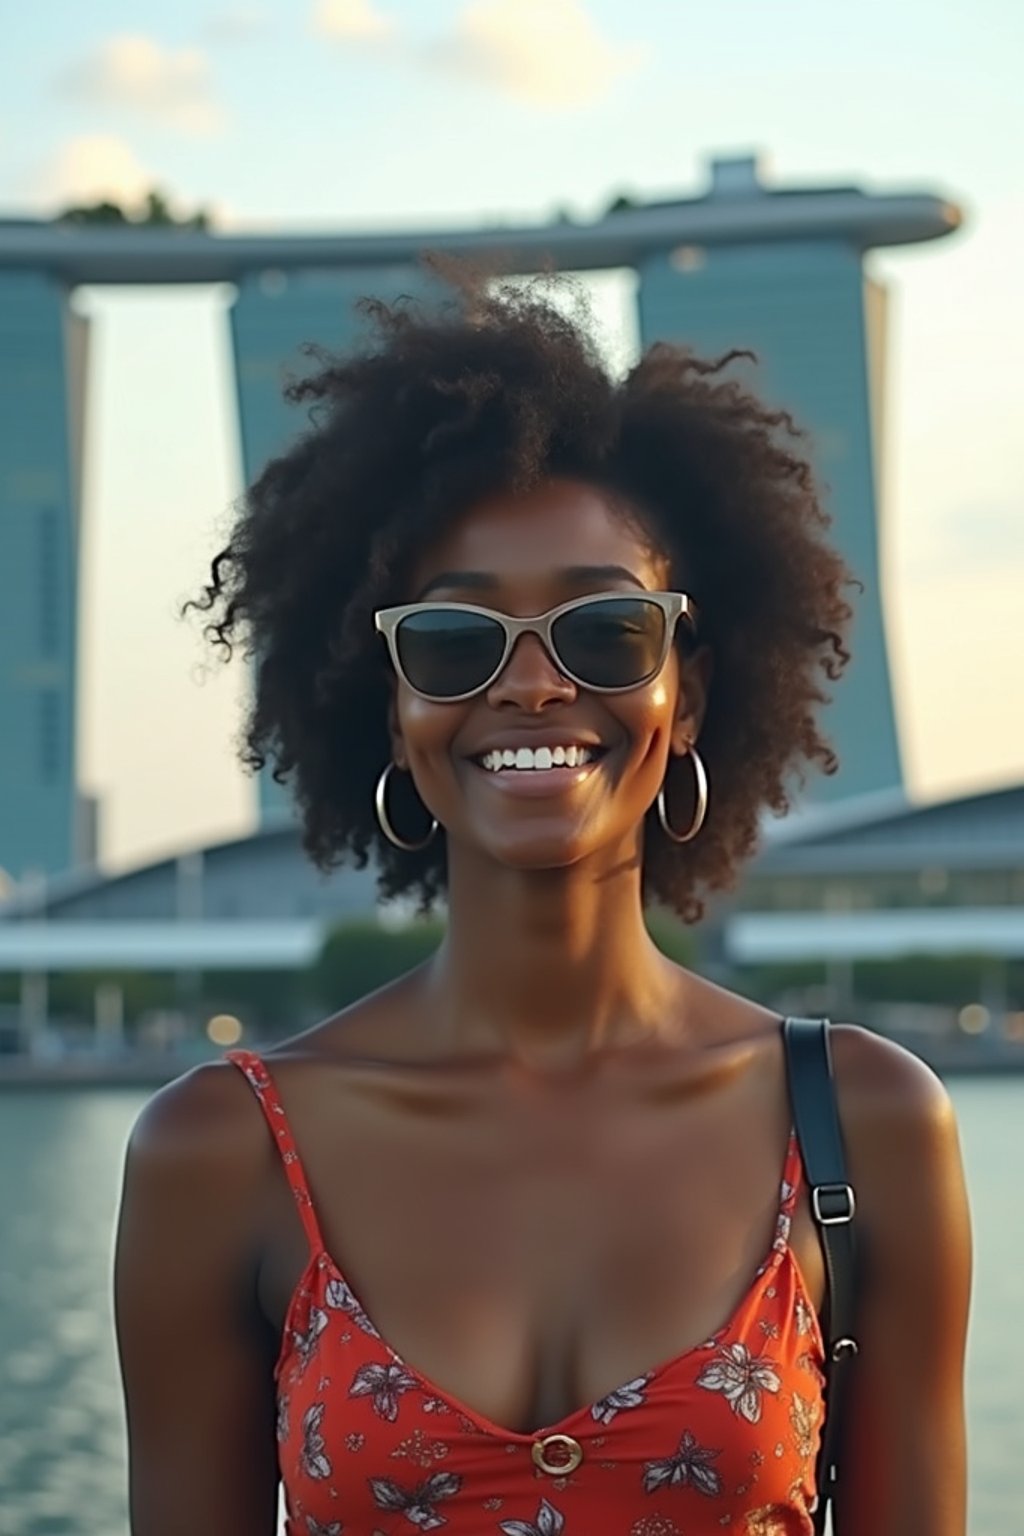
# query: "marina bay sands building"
x,y
776,270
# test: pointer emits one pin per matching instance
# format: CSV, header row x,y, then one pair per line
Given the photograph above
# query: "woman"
x,y
527,1249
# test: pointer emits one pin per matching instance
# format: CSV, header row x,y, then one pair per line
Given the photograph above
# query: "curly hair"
x,y
488,391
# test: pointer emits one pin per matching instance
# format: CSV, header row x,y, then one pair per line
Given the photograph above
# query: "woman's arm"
x,y
903,1454
196,1358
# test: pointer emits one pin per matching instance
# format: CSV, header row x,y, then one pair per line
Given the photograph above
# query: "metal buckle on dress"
x,y
845,1191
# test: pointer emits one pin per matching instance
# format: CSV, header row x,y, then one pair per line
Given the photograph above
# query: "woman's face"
x,y
521,555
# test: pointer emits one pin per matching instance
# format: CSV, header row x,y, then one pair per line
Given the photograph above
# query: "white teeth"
x,y
536,758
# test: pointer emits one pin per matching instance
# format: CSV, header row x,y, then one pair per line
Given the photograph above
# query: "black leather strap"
x,y
833,1203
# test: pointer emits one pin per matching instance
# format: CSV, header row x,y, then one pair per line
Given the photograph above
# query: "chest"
x,y
529,1256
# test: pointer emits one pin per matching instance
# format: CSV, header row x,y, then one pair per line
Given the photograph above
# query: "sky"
x,y
375,114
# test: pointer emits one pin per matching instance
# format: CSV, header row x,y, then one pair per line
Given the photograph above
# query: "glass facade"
x,y
274,314
41,399
765,280
817,327
885,890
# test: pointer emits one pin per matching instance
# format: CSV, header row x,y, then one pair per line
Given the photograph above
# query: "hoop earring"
x,y
700,810
385,820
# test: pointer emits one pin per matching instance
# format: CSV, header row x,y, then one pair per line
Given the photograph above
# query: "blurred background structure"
x,y
775,270
857,881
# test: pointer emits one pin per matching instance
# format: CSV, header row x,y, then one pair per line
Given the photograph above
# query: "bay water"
x,y
62,1451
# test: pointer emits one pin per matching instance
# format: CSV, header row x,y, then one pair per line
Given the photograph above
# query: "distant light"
x,y
688,258
224,1029
1014,1027
974,1019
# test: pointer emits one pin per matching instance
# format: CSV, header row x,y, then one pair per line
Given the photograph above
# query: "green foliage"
x,y
93,213
672,937
74,992
942,979
155,211
765,982
357,958
270,1001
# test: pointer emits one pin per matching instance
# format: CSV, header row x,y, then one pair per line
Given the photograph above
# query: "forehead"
x,y
527,537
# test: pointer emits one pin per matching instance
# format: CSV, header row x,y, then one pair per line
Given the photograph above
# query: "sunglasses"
x,y
609,642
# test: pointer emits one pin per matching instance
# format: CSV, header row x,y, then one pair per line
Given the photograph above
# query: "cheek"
x,y
650,712
660,697
426,729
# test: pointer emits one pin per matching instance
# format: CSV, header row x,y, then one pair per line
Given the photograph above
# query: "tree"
x,y
357,958
155,212
93,213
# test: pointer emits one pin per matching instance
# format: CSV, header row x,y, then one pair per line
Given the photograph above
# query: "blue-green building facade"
x,y
816,325
777,271
42,357
275,313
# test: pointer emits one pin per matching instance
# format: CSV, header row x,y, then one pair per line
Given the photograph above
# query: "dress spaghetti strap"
x,y
255,1072
792,1175
791,1179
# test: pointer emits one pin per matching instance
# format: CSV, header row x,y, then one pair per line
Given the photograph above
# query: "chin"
x,y
539,852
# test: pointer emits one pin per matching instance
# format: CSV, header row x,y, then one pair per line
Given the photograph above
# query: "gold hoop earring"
x,y
700,809
385,820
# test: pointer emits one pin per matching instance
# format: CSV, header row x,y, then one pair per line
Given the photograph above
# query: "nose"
x,y
530,679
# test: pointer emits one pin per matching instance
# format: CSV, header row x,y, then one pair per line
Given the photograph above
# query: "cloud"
x,y
168,84
548,53
90,168
238,24
352,21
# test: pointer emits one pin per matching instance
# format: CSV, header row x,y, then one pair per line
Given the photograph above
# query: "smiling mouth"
x,y
538,759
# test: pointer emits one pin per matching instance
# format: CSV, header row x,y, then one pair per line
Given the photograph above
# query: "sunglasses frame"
x,y
674,606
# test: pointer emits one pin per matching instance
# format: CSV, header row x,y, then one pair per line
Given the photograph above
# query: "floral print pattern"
x,y
690,1464
418,1504
311,1458
382,1383
722,1437
742,1378
630,1395
338,1294
549,1522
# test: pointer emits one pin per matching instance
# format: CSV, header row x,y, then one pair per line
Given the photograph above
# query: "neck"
x,y
550,967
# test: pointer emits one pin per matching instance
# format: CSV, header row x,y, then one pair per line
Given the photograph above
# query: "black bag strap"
x,y
812,1096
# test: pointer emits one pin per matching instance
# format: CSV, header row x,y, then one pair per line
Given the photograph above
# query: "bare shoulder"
x,y
204,1122
883,1088
902,1140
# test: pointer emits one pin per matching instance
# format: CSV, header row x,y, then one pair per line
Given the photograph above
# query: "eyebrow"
x,y
572,575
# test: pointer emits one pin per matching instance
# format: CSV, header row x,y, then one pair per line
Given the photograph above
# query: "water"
x,y
62,1452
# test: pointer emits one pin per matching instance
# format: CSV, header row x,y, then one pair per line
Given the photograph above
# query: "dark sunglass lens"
x,y
444,652
614,644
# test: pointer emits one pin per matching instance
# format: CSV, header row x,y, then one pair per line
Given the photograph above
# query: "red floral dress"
x,y
723,1437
